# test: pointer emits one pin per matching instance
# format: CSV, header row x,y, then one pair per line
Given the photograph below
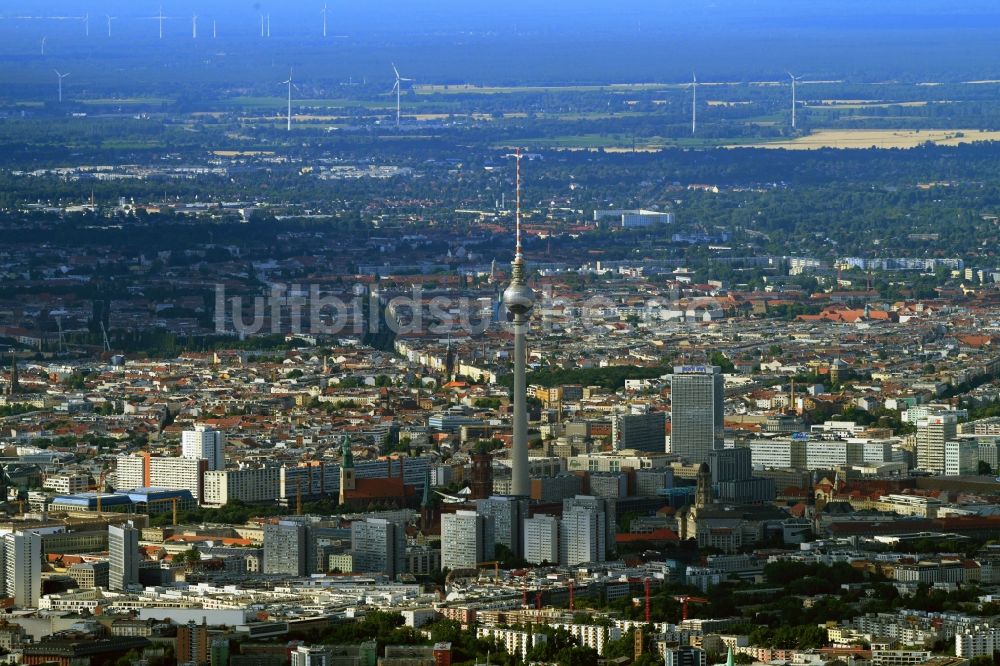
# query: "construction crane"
x,y
100,487
298,497
645,594
685,600
62,346
104,333
173,502
645,589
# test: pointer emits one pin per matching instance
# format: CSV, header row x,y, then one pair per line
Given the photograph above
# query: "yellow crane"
x,y
172,500
100,487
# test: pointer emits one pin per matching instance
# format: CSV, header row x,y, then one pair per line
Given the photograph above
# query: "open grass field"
x,y
839,104
866,138
125,101
468,88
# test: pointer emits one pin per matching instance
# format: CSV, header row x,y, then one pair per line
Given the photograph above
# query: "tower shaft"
x,y
520,484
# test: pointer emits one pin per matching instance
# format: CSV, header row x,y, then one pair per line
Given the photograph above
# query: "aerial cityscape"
x,y
451,333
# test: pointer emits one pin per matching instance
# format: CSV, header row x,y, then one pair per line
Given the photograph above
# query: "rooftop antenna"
x,y
694,103
61,77
324,13
110,19
290,86
194,26
794,80
43,45
397,88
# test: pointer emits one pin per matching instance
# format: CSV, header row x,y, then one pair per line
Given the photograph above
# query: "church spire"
x,y
14,387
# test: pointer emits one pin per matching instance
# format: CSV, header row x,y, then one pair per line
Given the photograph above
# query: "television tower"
x,y
519,300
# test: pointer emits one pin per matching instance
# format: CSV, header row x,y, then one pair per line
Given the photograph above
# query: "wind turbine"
x,y
694,103
794,79
290,86
324,13
397,88
61,77
110,19
159,16
194,26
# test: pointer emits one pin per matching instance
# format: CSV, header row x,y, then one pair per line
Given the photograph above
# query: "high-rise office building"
x,y
22,567
697,420
732,472
123,558
206,444
642,432
285,545
932,433
507,512
541,539
466,539
582,536
961,457
378,546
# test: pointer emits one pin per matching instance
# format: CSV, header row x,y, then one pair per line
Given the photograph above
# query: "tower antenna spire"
x,y
517,215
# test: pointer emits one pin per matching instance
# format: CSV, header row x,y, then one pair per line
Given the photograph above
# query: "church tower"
x,y
426,507
13,387
347,482
449,362
703,492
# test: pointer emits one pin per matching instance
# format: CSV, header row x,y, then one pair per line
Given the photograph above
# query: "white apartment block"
x,y
980,641
581,534
591,635
247,484
130,472
466,540
541,539
22,567
143,471
513,641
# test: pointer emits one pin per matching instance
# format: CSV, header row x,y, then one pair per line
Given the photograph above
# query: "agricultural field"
x,y
867,138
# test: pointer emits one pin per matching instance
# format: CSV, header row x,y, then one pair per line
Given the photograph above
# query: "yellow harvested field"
x,y
862,104
878,139
242,153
